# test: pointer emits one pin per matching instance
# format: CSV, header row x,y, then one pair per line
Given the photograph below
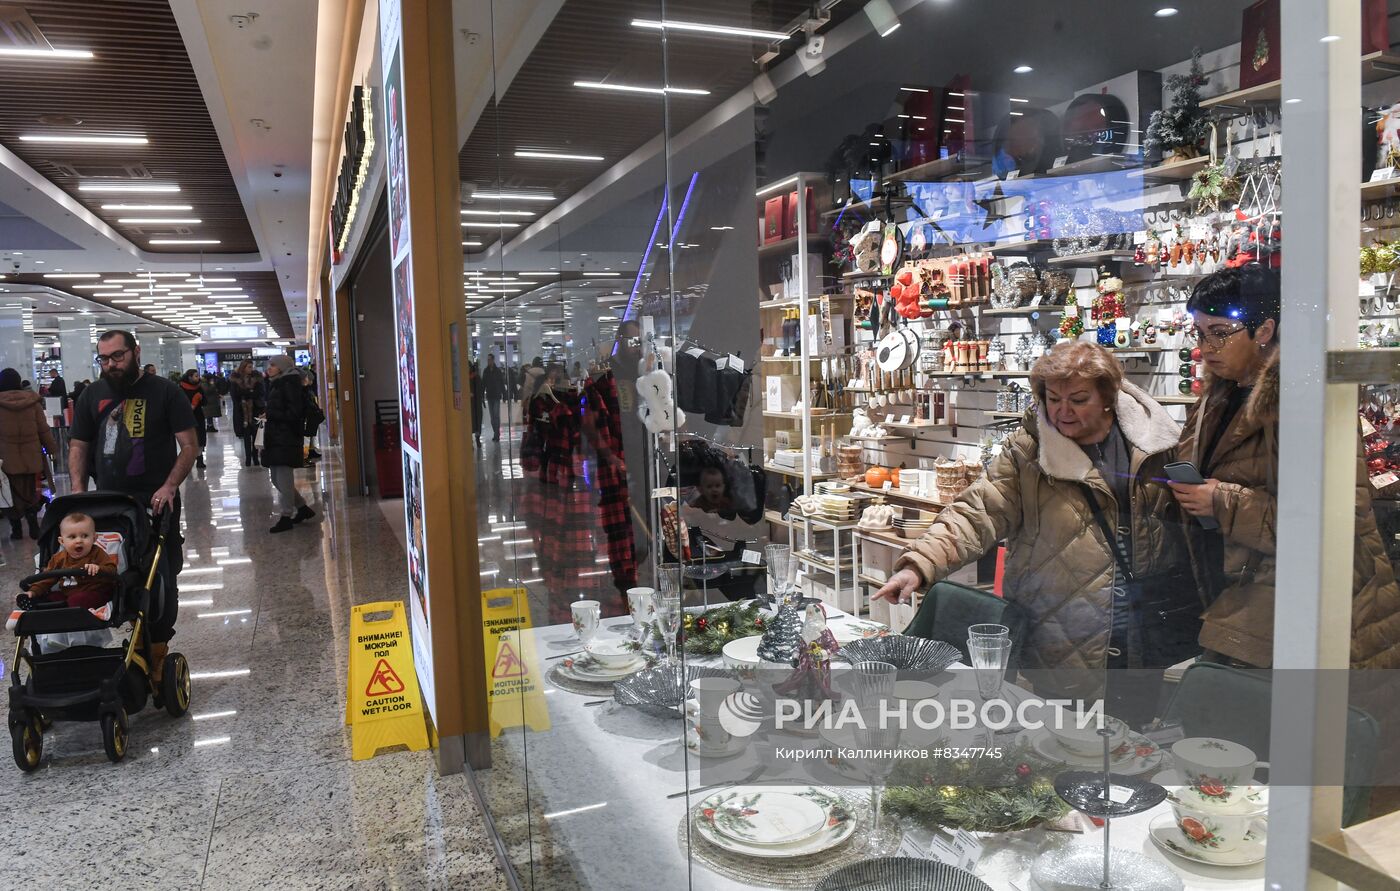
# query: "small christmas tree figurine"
x,y
782,639
1180,130
1071,326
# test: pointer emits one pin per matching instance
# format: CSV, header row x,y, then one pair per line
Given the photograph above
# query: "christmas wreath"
x,y
980,795
707,633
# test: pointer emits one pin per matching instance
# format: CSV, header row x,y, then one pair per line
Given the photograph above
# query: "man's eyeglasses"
x,y
1216,337
113,358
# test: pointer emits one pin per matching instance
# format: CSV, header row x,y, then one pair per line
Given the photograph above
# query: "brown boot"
x,y
156,661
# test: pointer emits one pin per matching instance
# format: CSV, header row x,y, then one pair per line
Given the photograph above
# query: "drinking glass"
x,y
989,659
585,614
667,607
878,761
781,563
987,632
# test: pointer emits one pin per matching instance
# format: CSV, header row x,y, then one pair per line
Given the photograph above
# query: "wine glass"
x,y
667,607
874,684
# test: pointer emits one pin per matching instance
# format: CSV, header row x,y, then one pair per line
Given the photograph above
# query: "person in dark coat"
x,y
493,387
194,392
284,437
474,377
245,389
58,389
24,438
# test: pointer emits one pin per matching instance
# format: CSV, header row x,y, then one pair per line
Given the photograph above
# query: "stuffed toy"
x,y
657,407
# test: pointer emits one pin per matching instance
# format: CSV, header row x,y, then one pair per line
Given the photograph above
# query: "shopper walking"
x,y
1231,436
474,378
58,389
245,396
493,388
24,439
193,389
283,438
1078,497
137,421
315,416
213,403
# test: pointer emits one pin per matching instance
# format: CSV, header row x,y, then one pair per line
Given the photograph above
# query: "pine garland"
x,y
707,633
980,795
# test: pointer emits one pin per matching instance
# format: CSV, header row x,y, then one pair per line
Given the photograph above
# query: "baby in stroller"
x,y
77,536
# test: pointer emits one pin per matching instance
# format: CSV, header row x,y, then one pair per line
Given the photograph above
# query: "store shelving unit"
x,y
952,169
1175,172
1093,164
1026,311
1091,258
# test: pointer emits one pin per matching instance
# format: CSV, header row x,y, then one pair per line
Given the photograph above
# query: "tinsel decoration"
x,y
1108,307
708,633
979,795
782,639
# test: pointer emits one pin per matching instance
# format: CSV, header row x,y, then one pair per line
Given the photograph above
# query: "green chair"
x,y
949,609
1234,704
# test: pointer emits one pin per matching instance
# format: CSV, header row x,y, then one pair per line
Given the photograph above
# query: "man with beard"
x,y
135,421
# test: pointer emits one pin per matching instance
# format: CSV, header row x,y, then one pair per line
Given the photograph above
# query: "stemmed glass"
x,y
781,563
667,607
874,684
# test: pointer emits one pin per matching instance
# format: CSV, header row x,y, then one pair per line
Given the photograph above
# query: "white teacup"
x,y
1208,762
710,694
585,615
639,605
1217,829
1085,742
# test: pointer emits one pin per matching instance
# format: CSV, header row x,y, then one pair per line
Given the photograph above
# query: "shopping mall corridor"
x,y
255,788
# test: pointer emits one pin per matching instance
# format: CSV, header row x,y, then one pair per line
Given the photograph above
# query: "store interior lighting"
x,y
882,16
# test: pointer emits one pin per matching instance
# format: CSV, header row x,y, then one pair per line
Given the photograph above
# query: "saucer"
x,y
735,746
1166,835
1135,755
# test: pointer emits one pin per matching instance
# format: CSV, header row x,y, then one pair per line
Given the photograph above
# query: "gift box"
x,y
790,214
773,219
1260,48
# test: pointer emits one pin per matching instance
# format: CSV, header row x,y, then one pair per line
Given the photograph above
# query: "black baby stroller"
x,y
85,682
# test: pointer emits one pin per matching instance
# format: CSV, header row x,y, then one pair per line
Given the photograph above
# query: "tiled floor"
x,y
255,788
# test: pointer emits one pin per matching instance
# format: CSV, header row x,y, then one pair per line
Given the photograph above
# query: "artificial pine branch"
x,y
1183,126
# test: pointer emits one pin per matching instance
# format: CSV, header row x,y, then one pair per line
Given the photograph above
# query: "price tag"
x,y
1381,480
669,492
753,557
1035,301
1200,232
1381,174
910,848
1367,428
905,419
941,849
1140,237
1061,161
695,351
1120,794
1165,736
886,486
1012,175
969,850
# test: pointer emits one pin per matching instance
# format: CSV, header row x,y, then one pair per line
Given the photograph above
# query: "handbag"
x,y
258,437
7,497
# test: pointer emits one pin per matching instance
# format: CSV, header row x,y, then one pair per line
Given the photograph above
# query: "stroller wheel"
x,y
27,742
114,735
175,685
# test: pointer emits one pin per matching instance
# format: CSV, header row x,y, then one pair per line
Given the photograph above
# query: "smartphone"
x,y
1186,472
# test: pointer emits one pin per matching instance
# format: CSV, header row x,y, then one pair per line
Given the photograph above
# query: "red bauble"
x,y
702,623
1196,386
1196,354
1023,770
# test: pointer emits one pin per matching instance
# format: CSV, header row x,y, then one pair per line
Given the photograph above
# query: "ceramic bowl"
x,y
1084,741
1208,762
613,652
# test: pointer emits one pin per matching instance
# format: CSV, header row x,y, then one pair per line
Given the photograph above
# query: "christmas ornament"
x,y
811,675
1071,326
782,639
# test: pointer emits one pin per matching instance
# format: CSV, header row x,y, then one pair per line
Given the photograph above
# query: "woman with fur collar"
x,y
1092,435
1231,436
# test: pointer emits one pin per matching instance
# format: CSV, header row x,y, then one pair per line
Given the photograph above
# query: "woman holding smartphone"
x,y
1231,437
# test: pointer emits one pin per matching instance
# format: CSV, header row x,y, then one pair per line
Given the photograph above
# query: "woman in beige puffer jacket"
x,y
24,437
1059,566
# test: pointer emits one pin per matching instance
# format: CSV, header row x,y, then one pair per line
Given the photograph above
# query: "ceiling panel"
x,y
262,287
139,83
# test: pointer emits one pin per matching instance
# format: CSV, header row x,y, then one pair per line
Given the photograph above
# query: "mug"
x,y
585,615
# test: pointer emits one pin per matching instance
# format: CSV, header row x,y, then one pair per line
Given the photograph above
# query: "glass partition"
x,y
889,433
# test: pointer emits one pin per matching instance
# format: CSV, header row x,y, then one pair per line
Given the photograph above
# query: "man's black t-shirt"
x,y
132,438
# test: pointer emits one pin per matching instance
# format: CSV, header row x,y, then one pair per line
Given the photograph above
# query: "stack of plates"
x,y
836,508
833,487
774,821
911,528
589,670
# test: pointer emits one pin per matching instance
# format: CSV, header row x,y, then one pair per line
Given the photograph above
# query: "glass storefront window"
x,y
878,416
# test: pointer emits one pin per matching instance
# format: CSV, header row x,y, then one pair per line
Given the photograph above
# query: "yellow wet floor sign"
x,y
512,670
383,706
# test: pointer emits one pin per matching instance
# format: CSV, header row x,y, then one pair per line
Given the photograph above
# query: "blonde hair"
x,y
76,517
1078,360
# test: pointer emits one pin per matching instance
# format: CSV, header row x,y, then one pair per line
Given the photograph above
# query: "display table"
x,y
600,819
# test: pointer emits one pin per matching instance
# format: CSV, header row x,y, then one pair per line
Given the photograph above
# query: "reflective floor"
x,y
255,788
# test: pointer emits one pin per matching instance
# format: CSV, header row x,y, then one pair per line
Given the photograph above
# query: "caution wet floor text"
x,y
512,669
383,706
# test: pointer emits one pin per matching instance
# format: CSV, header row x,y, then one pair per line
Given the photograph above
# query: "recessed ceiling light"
x,y
497,213
706,28
184,241
472,224
128,188
36,53
1023,69
513,196
84,140
630,88
471,244
556,156
1166,12
603,274
71,275
160,221
1330,38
